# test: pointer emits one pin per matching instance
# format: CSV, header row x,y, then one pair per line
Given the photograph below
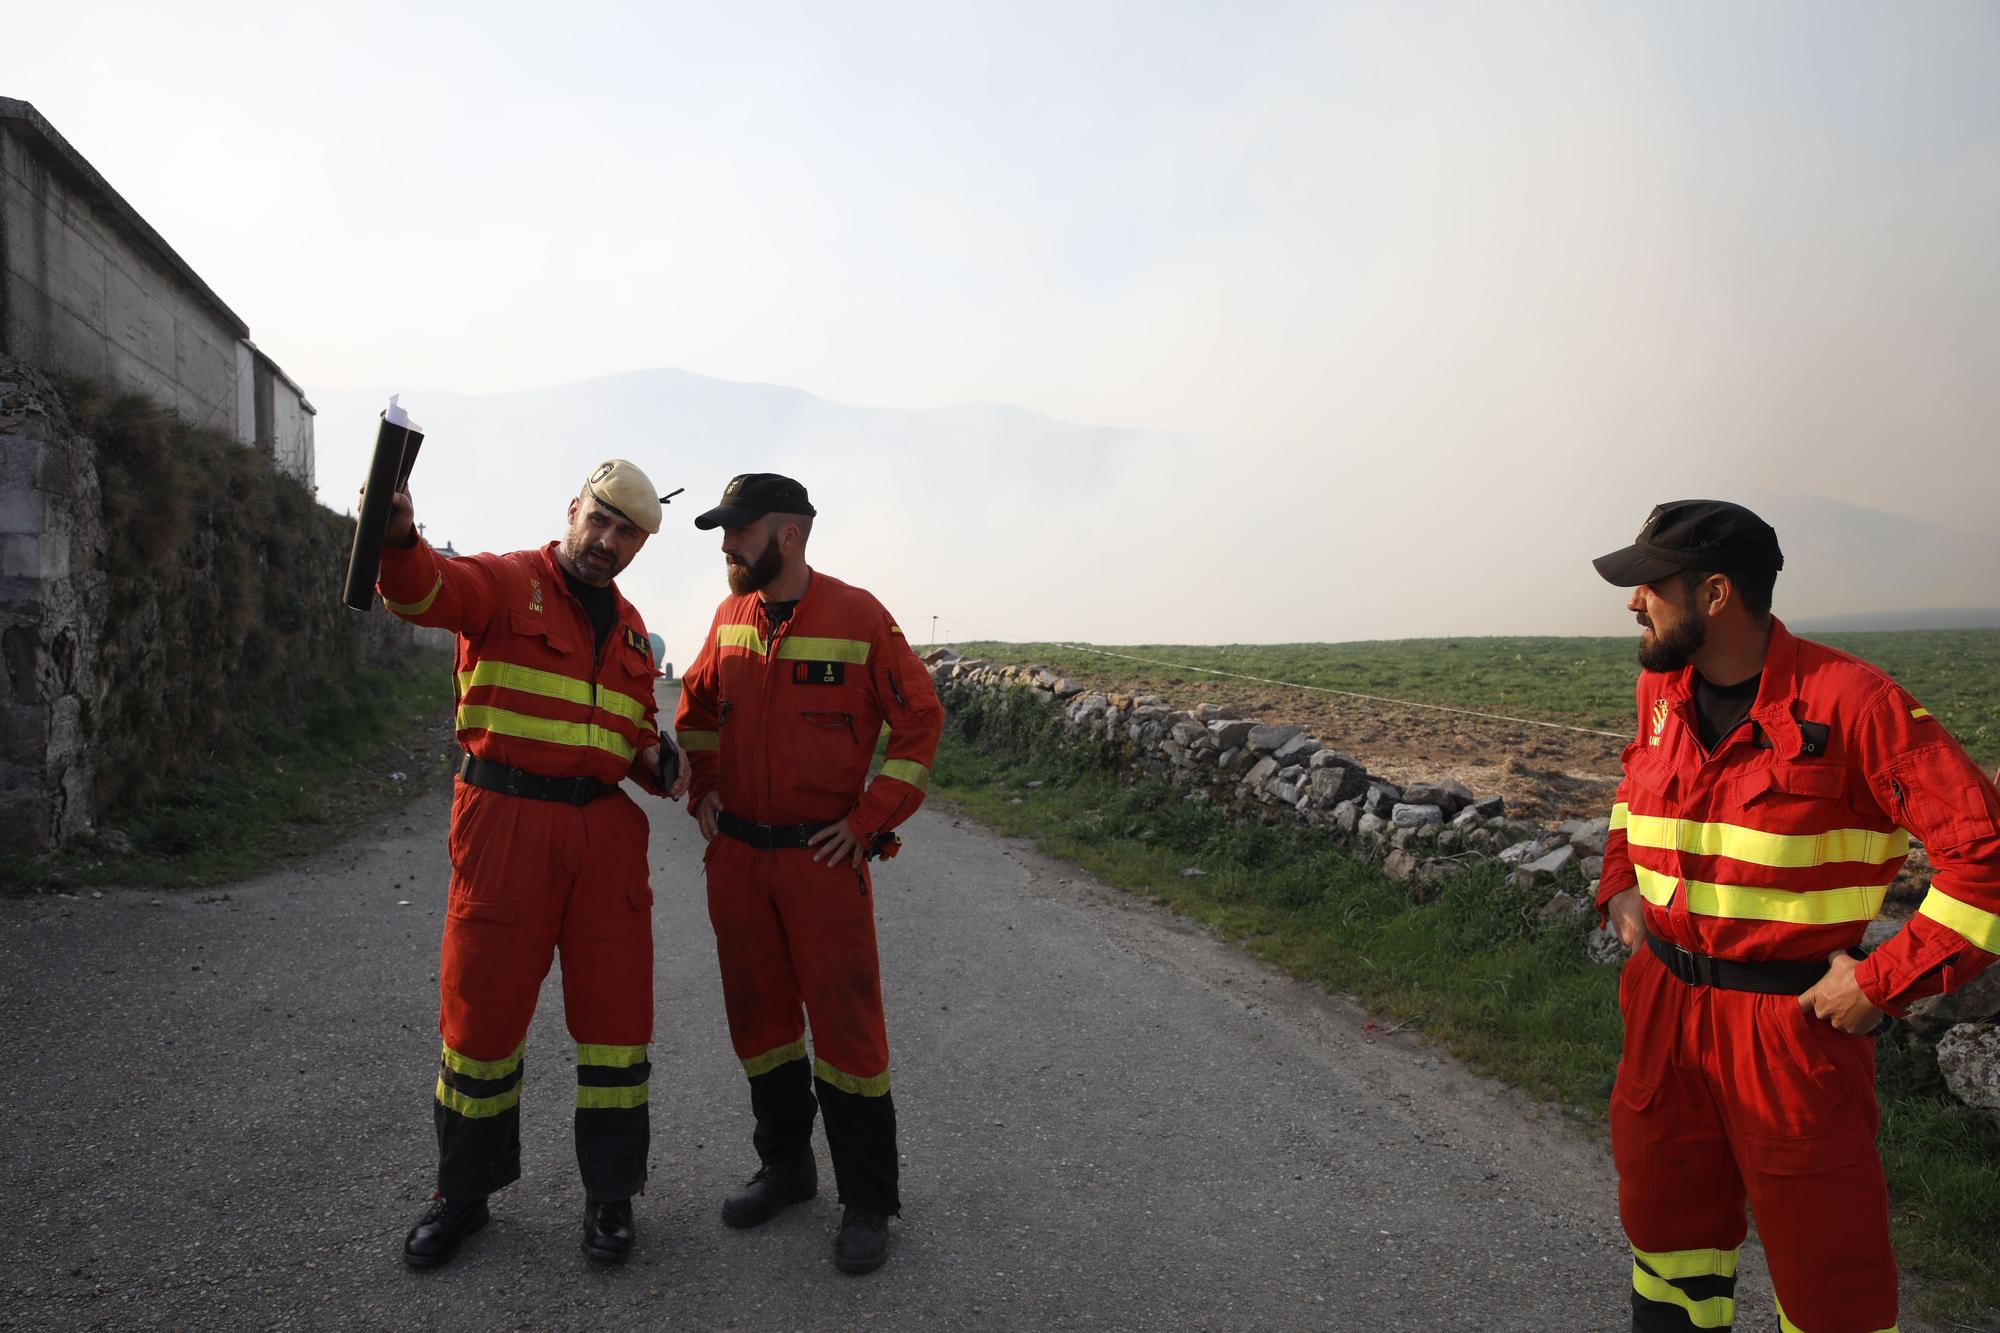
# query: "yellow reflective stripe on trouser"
x,y
552,685
1714,1312
506,722
805,648
471,1068
1792,851
417,608
693,741
1746,902
1619,814
1982,928
476,1108
609,1099
907,770
771,1059
1689,1263
739,636
846,1082
611,1057
1785,1325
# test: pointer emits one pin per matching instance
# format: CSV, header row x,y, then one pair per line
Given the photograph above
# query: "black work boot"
x,y
607,1230
771,1189
862,1244
439,1232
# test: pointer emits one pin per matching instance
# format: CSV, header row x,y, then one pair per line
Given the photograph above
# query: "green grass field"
x,y
1585,682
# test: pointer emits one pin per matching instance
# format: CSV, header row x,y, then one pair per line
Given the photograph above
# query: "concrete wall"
x,y
88,288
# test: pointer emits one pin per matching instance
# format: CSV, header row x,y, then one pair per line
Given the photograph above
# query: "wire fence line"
x,y
1315,689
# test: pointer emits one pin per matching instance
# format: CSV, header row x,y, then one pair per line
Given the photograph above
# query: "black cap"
x,y
751,495
1713,536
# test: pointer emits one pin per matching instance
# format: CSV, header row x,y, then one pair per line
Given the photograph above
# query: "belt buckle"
x,y
513,781
1704,969
766,839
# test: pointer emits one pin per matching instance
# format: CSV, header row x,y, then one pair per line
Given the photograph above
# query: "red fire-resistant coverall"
x,y
783,722
528,875
1780,845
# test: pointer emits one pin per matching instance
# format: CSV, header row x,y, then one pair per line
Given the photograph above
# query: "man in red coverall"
x,y
1767,802
555,708
780,715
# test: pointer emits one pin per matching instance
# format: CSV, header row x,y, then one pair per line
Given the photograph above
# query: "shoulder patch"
x,y
639,643
1921,715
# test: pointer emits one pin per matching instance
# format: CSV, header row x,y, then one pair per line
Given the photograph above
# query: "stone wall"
x,y
49,583
152,580
88,288
1421,834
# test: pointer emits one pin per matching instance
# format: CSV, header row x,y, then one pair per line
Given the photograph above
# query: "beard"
x,y
593,564
1676,648
759,572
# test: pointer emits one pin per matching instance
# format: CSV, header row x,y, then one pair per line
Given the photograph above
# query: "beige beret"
x,y
620,484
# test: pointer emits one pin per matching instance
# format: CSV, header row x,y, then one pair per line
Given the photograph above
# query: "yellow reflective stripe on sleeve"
x,y
771,1059
739,636
419,607
846,1082
1785,1325
1920,713
611,1057
609,1099
1715,1312
1690,1263
1792,851
504,722
1982,928
699,740
471,1068
907,770
805,648
1620,812
477,1108
1749,902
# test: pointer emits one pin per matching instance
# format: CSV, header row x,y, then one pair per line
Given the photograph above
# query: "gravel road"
x,y
217,1112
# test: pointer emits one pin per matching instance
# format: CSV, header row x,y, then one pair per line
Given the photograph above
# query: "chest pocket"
x,y
1781,783
545,644
1651,784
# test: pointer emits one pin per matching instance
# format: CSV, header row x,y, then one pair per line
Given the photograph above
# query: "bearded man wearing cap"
x,y
555,708
1768,800
780,715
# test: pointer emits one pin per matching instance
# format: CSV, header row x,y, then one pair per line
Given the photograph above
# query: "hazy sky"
x,y
1448,295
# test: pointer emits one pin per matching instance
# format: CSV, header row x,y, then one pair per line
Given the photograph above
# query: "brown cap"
x,y
619,484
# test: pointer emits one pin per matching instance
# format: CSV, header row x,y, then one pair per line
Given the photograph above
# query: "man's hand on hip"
x,y
1837,998
1627,913
835,842
705,811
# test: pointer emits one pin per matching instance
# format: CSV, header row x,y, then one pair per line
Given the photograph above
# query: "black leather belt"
x,y
1772,977
518,782
766,837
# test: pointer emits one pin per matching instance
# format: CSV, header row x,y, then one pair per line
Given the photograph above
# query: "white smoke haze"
x,y
1378,321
